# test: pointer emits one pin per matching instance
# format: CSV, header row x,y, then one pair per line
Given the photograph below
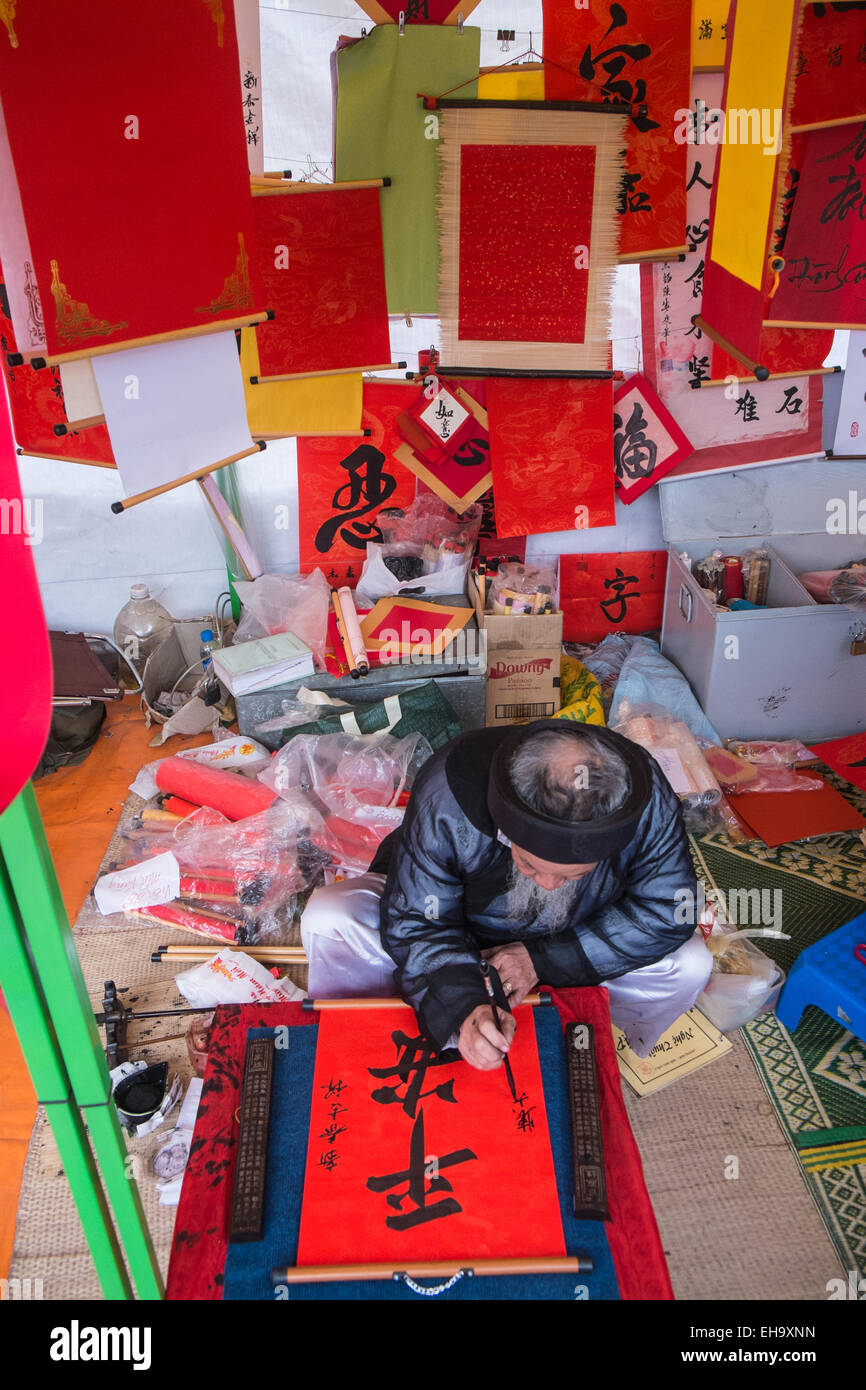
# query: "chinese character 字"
x,y
619,597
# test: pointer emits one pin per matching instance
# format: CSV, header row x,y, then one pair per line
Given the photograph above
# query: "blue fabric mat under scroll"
x,y
248,1267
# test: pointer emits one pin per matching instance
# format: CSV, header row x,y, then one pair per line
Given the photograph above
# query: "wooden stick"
x,y
667,253
282,189
759,372
64,458
72,426
512,69
317,434
336,371
315,1005
792,323
271,174
190,478
774,376
825,125
433,1269
246,321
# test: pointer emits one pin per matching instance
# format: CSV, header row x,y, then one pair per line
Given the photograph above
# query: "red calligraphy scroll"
x,y
344,483
36,399
408,1158
824,278
134,110
638,51
830,75
551,451
620,592
319,256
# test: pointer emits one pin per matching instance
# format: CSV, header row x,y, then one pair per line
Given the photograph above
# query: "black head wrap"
x,y
560,841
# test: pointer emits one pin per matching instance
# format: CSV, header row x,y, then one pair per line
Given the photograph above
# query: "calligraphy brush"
x,y
485,971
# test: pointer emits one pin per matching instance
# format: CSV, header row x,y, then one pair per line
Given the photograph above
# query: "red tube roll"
x,y
229,792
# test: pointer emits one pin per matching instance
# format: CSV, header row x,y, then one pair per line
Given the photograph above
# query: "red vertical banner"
x,y
620,592
135,110
343,484
412,1157
830,75
637,52
551,451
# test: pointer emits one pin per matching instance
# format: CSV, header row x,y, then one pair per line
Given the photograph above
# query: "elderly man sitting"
x,y
554,851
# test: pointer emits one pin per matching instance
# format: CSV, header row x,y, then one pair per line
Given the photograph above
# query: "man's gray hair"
x,y
571,779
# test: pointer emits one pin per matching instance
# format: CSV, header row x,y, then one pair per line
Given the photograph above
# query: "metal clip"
x,y
460,24
401,23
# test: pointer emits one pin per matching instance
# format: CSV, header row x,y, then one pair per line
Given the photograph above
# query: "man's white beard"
x,y
527,903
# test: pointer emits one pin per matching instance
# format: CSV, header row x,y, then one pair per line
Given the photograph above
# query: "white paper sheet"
x,y
25,307
141,885
851,425
173,408
249,53
80,392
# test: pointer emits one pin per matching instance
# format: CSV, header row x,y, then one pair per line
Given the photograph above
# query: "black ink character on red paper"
x,y
414,1056
367,482
329,1160
850,198
525,1122
634,455
619,598
631,198
417,1190
614,60
334,1088
472,453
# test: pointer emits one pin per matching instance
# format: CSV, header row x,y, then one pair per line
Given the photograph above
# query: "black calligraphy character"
x,y
802,63
696,177
525,1122
416,9
696,280
333,1088
631,198
414,1056
698,233
705,30
861,53
834,57
851,198
619,595
616,88
250,79
634,456
332,1133
699,368
369,482
336,1109
472,453
329,1160
749,407
417,1190
792,403
253,136
444,415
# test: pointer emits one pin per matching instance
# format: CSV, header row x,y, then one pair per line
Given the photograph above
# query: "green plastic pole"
x,y
56,964
32,1023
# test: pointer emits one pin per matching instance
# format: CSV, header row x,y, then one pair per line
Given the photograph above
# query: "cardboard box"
x,y
523,662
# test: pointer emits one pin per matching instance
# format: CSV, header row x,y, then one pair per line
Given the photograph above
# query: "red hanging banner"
x,y
638,52
830,76
551,451
621,592
130,154
410,1157
36,398
344,483
824,276
319,257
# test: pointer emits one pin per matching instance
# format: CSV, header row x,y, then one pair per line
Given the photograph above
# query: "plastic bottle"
x,y
208,644
141,625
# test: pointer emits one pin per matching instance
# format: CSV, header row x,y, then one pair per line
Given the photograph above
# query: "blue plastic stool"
x,y
830,975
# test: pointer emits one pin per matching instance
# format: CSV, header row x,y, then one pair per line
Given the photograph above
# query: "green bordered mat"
x,y
816,1076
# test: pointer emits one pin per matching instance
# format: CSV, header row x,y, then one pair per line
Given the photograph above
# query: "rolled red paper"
x,y
229,792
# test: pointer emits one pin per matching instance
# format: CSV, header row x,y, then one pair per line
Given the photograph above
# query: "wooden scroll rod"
x,y
224,326
434,1269
338,371
511,69
316,1005
261,192
516,371
273,955
73,426
759,372
669,253
319,434
271,174
195,477
825,125
774,376
792,323
596,108
64,458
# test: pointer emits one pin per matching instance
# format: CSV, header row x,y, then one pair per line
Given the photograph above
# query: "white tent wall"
x,y
86,557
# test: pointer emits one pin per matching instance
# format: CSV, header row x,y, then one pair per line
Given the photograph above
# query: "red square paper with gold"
x,y
343,484
413,1157
620,592
551,451
319,256
125,128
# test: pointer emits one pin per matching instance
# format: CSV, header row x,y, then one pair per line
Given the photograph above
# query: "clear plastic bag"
x,y
294,603
744,981
674,748
520,588
772,766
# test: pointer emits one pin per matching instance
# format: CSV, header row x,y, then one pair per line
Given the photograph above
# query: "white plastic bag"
x,y
296,603
744,981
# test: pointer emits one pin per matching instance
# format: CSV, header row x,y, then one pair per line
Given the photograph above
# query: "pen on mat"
x,y
485,971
